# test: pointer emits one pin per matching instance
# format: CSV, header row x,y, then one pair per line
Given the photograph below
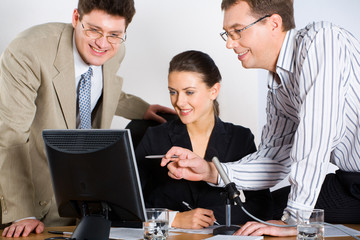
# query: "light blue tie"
x,y
85,99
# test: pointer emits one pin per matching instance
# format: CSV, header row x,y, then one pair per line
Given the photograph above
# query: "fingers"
x,y
24,227
258,229
40,227
204,217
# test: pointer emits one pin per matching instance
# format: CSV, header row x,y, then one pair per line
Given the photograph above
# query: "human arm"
x,y
18,91
189,166
194,219
153,110
23,228
259,229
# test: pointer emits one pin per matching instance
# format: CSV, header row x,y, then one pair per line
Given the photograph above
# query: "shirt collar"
x,y
286,60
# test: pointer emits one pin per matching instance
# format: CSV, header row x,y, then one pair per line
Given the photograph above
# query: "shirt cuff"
x,y
172,215
25,219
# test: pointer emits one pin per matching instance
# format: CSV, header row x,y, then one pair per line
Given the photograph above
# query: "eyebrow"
x,y
95,26
170,88
235,25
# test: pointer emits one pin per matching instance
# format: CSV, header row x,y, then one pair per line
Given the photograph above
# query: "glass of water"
x,y
310,224
157,225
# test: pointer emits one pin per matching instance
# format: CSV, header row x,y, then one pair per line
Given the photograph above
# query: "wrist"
x,y
212,176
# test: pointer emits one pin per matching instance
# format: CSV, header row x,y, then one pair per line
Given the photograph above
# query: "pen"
x,y
159,156
190,208
60,232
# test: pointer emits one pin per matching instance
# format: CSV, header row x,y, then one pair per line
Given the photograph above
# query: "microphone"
x,y
233,192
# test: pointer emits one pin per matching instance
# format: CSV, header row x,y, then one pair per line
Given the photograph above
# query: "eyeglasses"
x,y
235,34
95,34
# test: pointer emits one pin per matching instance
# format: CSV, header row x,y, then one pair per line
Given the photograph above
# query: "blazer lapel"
x,y
179,135
220,139
112,88
64,80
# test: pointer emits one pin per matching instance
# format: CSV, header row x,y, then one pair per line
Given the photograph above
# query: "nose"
x,y
181,100
102,42
230,43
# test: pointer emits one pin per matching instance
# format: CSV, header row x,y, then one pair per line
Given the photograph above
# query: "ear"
x,y
276,23
214,91
75,17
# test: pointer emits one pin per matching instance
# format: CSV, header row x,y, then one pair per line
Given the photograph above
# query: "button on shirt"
x,y
313,116
96,80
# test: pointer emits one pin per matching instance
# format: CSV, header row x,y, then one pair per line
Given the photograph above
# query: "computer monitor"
x,y
95,178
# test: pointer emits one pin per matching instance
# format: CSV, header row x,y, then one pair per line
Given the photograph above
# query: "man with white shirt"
x,y
41,77
313,112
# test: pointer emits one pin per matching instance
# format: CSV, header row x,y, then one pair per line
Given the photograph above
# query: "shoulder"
x,y
233,129
321,32
40,33
164,128
39,41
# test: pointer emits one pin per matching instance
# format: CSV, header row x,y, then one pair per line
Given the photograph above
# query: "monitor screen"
x,y
92,167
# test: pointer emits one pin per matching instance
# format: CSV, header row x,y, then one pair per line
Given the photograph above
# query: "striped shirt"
x,y
313,116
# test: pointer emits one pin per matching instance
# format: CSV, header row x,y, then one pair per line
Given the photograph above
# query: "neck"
x,y
277,48
203,127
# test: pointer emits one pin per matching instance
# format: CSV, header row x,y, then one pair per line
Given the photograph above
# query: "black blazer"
x,y
228,142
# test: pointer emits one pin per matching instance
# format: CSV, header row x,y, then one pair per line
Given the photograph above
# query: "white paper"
x,y
334,232
129,233
208,230
231,237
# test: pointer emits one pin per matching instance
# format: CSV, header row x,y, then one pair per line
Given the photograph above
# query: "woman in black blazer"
x,y
194,84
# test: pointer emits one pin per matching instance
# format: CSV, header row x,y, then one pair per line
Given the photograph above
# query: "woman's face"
x,y
191,98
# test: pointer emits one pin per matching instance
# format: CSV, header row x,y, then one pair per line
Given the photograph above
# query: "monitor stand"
x,y
93,227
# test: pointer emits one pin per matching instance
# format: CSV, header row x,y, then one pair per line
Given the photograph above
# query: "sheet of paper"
x,y
229,237
129,233
334,232
208,230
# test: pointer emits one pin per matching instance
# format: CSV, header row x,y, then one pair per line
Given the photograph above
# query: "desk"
x,y
182,236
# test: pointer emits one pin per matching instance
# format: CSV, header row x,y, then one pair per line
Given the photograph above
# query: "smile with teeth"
x,y
186,111
97,50
243,53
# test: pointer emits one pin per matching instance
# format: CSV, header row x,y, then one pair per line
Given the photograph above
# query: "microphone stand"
x,y
228,229
232,195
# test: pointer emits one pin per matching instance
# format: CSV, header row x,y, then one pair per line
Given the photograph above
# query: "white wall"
x,y
163,28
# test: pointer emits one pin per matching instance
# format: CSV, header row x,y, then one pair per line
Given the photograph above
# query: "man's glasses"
x,y
235,34
95,34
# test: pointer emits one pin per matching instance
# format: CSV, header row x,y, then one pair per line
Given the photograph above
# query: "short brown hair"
x,y
123,8
260,8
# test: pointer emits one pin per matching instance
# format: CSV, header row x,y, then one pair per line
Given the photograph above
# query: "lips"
x,y
185,112
242,55
97,50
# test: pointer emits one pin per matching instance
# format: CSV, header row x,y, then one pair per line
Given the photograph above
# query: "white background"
x,y
163,28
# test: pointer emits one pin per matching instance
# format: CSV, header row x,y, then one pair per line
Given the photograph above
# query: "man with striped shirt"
x,y
313,115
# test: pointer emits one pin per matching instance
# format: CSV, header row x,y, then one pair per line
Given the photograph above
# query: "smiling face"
x,y
97,51
191,98
258,46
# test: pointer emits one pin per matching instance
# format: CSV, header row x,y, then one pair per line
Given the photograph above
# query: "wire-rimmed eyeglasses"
x,y
235,34
95,34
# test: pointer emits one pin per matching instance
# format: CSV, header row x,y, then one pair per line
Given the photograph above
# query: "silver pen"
x,y
159,156
190,208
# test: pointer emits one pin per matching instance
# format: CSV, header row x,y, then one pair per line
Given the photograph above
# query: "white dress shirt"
x,y
96,80
313,116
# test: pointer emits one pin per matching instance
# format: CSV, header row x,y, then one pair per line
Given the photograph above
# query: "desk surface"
x,y
182,236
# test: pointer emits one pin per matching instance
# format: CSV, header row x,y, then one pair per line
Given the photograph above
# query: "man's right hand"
x,y
24,227
189,166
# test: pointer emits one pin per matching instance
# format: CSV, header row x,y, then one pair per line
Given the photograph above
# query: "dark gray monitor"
x,y
94,174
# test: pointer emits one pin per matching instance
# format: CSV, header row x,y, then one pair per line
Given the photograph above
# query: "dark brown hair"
x,y
123,8
260,8
199,62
